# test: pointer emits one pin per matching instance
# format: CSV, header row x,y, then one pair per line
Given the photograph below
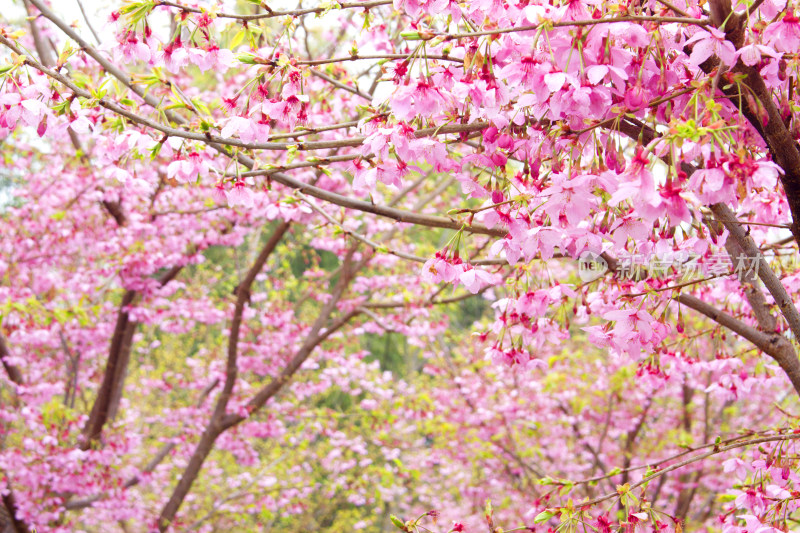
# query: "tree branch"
x,y
774,345
284,179
725,215
120,342
716,450
162,454
215,426
13,372
10,503
270,13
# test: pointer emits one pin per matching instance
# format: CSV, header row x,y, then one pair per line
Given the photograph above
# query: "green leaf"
x,y
237,40
246,58
155,150
397,522
544,516
411,35
135,12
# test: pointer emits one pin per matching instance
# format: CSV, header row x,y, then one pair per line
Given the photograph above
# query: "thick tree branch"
x,y
725,215
215,426
220,422
110,393
767,120
774,345
13,372
43,50
120,341
10,503
157,459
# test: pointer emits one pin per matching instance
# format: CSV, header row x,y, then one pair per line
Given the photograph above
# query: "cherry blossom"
x,y
420,264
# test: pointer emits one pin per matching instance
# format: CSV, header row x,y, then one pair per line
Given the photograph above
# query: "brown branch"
x,y
322,194
215,426
120,341
773,344
314,337
10,503
336,83
716,450
109,395
686,495
213,431
162,454
272,14
13,372
42,49
677,10
630,440
725,215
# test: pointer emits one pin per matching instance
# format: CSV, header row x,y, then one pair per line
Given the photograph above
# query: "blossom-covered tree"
x,y
427,265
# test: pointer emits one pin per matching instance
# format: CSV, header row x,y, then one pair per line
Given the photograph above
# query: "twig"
x,y
88,24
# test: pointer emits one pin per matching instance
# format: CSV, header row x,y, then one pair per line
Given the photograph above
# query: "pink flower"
x,y
32,111
751,54
751,500
247,129
422,99
443,268
572,197
526,71
218,194
784,34
711,42
173,56
638,185
597,73
772,8
712,185
187,170
475,279
635,96
241,195
134,49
